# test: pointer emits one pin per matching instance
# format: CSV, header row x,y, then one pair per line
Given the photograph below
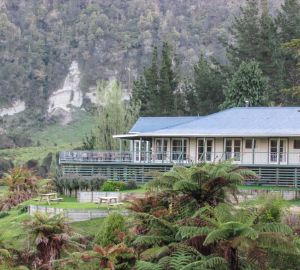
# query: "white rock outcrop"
x,y
17,107
69,95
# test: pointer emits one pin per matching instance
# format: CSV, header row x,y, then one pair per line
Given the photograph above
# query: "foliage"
x,y
131,184
156,89
113,186
114,115
204,183
51,235
20,179
73,182
3,214
256,39
247,85
110,229
204,95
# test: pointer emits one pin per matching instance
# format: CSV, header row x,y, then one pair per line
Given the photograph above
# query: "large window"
x,y
233,149
205,150
179,149
278,151
161,148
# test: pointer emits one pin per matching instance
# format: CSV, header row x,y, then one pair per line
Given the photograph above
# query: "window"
x,y
205,149
297,144
248,144
179,149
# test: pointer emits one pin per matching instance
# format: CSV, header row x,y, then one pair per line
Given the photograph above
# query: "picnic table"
x,y
48,197
108,199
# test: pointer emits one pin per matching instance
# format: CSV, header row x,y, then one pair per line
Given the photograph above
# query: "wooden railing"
x,y
244,158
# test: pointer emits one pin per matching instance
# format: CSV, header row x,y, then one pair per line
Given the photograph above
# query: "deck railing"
x,y
247,158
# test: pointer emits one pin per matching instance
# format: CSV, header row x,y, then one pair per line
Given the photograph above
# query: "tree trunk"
x,y
234,260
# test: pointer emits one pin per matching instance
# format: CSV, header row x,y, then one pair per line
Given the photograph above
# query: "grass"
x,y
70,203
52,138
71,134
12,232
87,228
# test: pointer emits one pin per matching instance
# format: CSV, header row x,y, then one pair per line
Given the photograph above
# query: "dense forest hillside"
x,y
41,38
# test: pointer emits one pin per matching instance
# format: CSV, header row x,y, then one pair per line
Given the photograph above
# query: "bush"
x,y
131,184
113,186
3,214
111,226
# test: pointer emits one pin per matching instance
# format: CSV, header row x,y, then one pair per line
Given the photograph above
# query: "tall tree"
x,y
114,115
206,93
256,38
156,89
246,85
288,24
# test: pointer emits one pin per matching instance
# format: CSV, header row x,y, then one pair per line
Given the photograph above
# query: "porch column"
x,y
120,148
278,150
253,149
224,148
140,150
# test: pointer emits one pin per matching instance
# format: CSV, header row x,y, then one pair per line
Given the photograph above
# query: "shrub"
x,y
3,214
131,184
109,230
113,186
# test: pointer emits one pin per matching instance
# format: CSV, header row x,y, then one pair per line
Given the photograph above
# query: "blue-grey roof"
x,y
147,124
244,121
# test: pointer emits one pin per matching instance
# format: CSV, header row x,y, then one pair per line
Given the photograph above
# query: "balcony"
x,y
243,158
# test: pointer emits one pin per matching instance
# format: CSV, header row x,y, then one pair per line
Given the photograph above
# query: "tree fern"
x,y
152,240
186,232
142,265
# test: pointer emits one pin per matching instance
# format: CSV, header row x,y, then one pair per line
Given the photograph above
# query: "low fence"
x,y
72,215
285,194
90,196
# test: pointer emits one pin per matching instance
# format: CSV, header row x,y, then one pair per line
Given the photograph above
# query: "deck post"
x,y
253,149
120,148
140,150
224,148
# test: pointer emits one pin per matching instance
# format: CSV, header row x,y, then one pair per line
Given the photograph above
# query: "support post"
x,y
120,148
253,149
140,150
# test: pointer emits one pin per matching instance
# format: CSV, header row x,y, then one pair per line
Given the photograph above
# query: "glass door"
x,y
141,151
205,150
179,149
233,149
278,151
161,149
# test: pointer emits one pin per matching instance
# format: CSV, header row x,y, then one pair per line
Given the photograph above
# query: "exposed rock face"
x,y
17,107
69,95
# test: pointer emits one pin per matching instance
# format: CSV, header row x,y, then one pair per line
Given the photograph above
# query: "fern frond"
x,y
142,265
152,240
186,232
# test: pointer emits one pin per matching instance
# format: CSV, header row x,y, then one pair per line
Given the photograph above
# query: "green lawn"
x,y
70,134
12,231
52,138
87,228
71,203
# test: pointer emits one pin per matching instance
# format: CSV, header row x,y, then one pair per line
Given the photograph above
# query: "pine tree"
x,y
256,38
206,95
288,24
156,89
247,85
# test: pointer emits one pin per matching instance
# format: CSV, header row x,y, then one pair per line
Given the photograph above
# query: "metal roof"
x,y
148,124
244,121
